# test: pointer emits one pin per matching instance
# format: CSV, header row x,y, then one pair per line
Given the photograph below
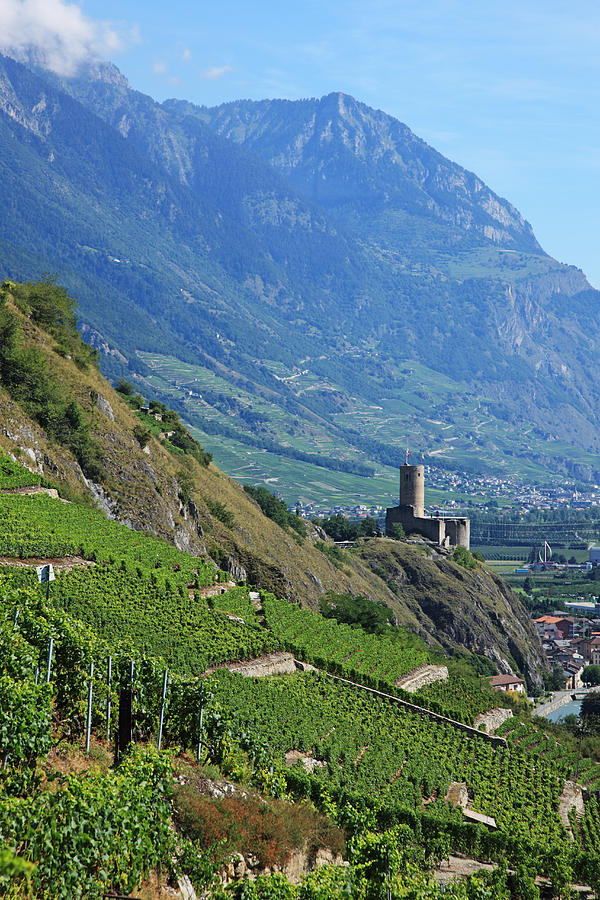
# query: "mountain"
x,y
369,168
308,283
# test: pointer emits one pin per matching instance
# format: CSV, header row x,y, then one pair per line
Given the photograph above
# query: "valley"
x,y
417,310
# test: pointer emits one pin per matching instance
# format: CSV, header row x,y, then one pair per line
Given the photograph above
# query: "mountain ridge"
x,y
367,135
187,250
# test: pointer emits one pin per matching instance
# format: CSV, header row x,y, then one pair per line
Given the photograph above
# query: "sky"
x,y
508,90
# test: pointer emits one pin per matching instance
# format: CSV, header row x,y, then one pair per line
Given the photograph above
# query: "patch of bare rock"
x,y
570,798
306,759
421,677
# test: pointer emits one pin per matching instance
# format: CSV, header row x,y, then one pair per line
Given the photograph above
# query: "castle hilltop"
x,y
410,513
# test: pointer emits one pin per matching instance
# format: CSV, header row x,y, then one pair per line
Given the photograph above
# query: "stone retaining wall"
x,y
493,719
274,664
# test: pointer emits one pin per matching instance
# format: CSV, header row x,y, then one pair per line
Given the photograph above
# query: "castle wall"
x,y
459,532
429,527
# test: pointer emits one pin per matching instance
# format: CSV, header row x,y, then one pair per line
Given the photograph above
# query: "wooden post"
x,y
200,723
124,732
108,700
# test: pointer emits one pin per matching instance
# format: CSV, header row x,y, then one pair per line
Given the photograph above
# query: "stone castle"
x,y
410,513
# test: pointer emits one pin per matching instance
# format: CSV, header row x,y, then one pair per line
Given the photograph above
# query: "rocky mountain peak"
x,y
342,153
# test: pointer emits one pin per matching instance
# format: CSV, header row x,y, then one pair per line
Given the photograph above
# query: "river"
x,y
574,706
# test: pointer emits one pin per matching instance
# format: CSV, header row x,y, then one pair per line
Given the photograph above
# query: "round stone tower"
x,y
412,488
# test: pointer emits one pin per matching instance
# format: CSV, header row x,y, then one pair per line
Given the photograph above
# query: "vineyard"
x,y
586,830
371,752
533,741
316,638
372,748
39,526
135,617
141,588
162,618
236,602
376,660
461,698
13,476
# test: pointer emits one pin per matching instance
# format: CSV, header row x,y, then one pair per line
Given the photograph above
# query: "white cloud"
x,y
186,54
58,32
159,67
216,72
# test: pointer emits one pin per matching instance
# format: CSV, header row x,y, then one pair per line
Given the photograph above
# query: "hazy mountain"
x,y
367,166
307,281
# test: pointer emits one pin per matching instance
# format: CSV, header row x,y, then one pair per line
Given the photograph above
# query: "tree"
x,y
591,675
142,435
51,306
125,387
590,710
555,680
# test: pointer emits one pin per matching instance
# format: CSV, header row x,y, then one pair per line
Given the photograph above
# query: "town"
x,y
482,493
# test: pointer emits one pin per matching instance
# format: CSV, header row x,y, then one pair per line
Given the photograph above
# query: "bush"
x,y
462,557
275,509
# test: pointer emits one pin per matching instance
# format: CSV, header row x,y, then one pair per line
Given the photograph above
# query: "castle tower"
x,y
412,488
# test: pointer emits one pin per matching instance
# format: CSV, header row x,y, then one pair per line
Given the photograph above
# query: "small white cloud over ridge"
x,y
216,72
58,33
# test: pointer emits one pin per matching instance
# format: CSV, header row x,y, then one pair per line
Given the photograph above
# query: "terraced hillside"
x,y
139,478
368,763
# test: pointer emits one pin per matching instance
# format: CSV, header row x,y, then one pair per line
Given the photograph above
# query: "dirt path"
x,y
32,489
60,563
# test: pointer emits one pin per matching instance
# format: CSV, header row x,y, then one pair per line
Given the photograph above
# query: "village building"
x,y
555,627
508,683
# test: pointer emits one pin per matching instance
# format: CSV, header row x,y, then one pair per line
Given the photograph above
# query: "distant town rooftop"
x,y
553,620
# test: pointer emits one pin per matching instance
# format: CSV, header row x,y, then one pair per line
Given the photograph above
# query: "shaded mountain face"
x,y
353,159
308,283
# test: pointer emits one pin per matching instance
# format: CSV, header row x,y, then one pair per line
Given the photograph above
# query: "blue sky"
x,y
510,91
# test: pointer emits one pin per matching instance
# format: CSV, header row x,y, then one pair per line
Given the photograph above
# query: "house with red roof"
x,y
509,683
